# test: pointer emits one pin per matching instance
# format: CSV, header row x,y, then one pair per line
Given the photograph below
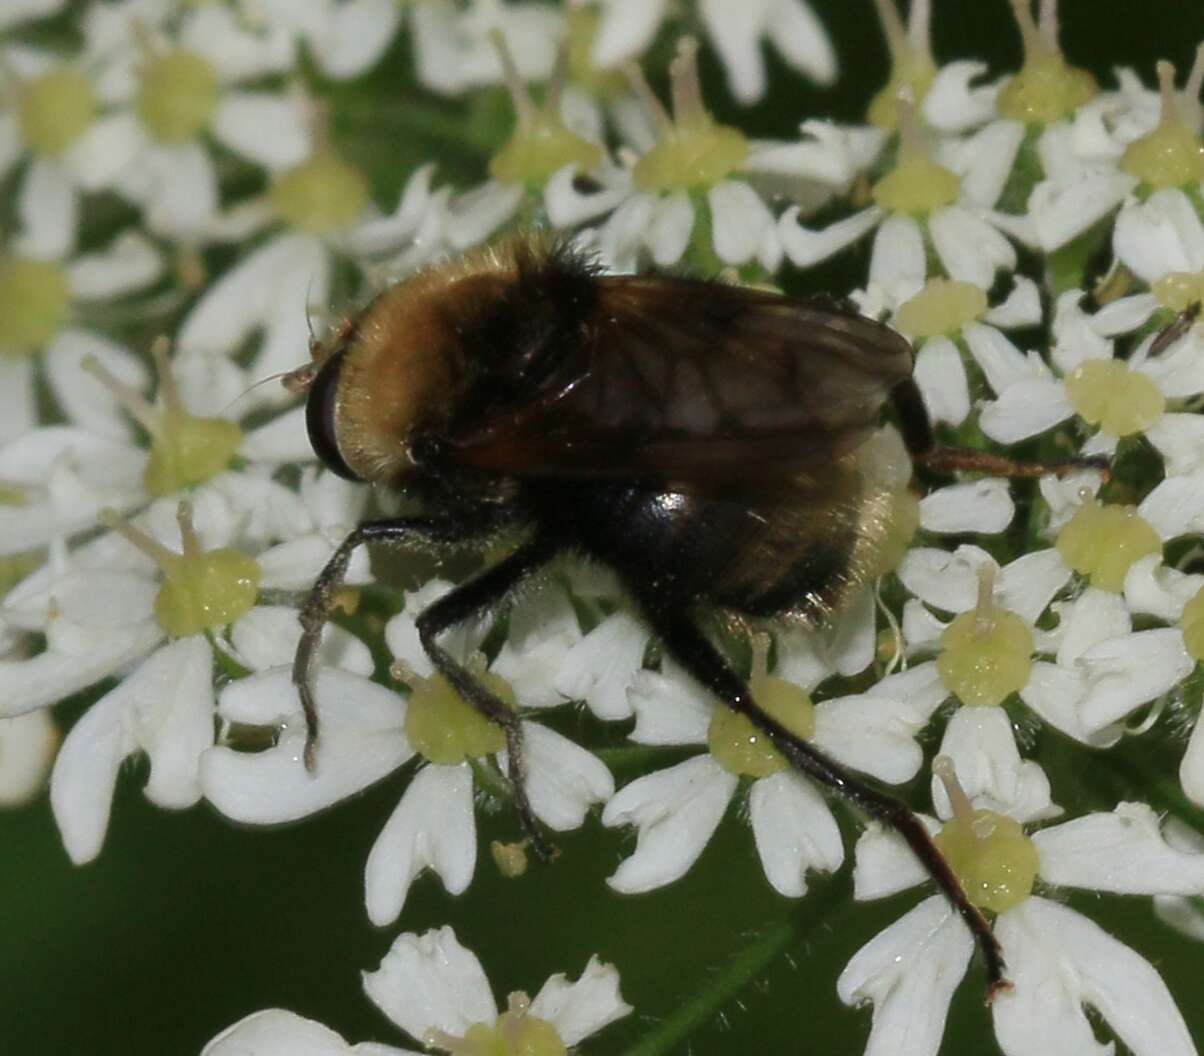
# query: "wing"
x,y
696,383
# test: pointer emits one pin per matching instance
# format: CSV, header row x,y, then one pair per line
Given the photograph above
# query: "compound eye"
x,y
320,417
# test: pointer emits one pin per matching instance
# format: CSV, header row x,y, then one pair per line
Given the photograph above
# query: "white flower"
x,y
1136,668
964,582
651,201
676,810
344,37
184,86
946,318
1057,961
100,623
27,747
454,50
65,475
944,200
736,32
47,291
435,990
368,732
1119,397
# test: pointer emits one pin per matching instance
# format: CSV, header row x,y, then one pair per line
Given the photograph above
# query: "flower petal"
x,y
600,667
669,710
675,812
942,379
969,247
277,1032
563,779
1124,673
806,247
433,827
794,831
361,741
884,864
873,734
265,127
431,982
580,1009
1059,961
976,506
1123,851
1028,407
982,745
909,972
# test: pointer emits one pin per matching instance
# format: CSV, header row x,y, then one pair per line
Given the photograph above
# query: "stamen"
x,y
169,393
959,802
524,106
684,85
1191,88
919,21
1035,42
1047,21
984,609
137,406
641,89
892,28
191,544
912,141
147,544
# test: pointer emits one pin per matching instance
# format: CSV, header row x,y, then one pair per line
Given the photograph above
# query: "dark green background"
x,y
187,923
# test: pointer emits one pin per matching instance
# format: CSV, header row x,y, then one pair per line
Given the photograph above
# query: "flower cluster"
x,y
189,198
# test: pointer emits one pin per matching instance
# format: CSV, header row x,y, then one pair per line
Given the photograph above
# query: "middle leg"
x,y
461,604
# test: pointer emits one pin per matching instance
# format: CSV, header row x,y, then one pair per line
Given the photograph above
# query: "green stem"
x,y
718,990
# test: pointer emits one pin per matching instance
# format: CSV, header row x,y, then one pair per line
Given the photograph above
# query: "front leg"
x,y
460,604
316,610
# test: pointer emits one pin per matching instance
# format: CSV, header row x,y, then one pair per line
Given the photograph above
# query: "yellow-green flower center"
x,y
1047,88
1172,154
912,69
209,589
739,746
990,853
1192,624
943,306
985,657
320,195
1105,392
692,151
1178,290
1102,542
177,95
201,589
912,73
53,110
442,726
541,144
188,450
539,148
515,1033
35,302
691,156
992,857
514,1036
1108,394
